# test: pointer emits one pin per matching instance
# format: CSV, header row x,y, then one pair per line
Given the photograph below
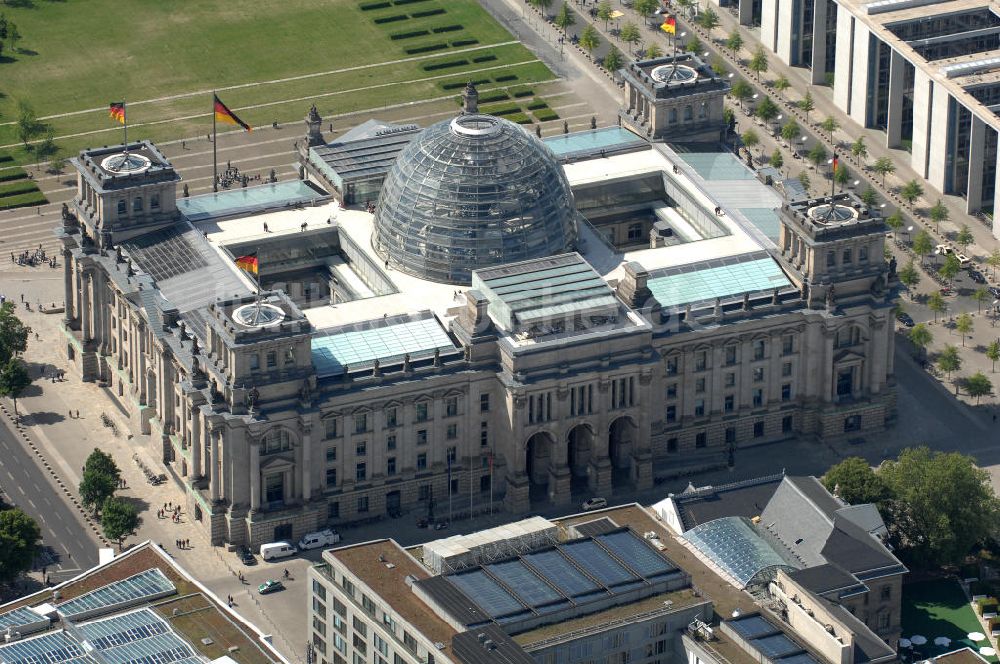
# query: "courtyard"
x,y
939,608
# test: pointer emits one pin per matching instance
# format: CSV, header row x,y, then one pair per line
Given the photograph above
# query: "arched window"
x,y
137,204
703,110
276,440
688,113
154,201
122,206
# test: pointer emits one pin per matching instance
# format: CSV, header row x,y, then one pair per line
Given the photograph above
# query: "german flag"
x,y
116,110
836,163
223,114
669,25
248,263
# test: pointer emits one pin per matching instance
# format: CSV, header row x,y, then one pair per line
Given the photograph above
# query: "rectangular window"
x,y
729,404
422,412
333,510
699,408
330,427
862,254
671,415
272,359
671,445
484,403
361,423
886,593
786,392
380,645
409,642
361,472
758,429
730,435
368,605
359,625
831,259
758,374
846,259
672,391
700,360
700,439
759,348
484,434
422,461
348,587
360,646
451,407
758,398
390,466
452,431
362,504
331,454
730,355
422,437
786,424
361,449
786,369
730,379
787,344
699,385
671,366
424,492
390,416
254,362
331,477
390,442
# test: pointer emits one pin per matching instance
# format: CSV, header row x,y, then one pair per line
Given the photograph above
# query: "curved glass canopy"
x,y
469,193
733,544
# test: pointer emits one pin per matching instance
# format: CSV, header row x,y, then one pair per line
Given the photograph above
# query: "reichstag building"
x,y
466,317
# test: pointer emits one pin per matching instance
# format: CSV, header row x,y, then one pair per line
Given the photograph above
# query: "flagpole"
x,y
257,253
215,167
125,124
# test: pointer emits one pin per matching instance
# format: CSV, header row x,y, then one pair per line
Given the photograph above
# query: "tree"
x,y
951,501
807,103
734,42
884,166
686,5
963,325
708,20
13,333
646,7
859,149
13,35
870,197
994,261
767,110
741,91
104,463
653,51
119,519
693,45
20,538
95,488
777,160
27,123
841,177
604,11
938,212
981,296
855,482
13,379
894,220
804,180
950,267
790,130
630,34
781,84
993,354
829,125
909,276
589,39
758,62
964,237
922,244
949,360
911,191
750,138
718,65
937,304
613,60
920,337
566,18
978,385
817,155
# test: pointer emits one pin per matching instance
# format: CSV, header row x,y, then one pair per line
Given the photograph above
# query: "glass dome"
x,y
470,193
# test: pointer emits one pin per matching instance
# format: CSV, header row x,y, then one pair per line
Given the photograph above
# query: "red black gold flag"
x,y
836,164
117,111
223,114
247,263
669,25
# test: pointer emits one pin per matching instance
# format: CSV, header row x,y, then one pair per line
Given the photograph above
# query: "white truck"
x,y
319,538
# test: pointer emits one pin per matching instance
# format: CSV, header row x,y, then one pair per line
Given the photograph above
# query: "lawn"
x,y
81,54
939,608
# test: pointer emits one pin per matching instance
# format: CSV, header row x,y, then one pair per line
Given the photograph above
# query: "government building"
x,y
508,322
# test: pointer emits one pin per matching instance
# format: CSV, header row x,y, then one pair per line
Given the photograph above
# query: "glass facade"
x,y
470,193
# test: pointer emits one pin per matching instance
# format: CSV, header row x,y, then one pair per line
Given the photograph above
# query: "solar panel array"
x,y
141,637
146,584
54,648
18,617
568,574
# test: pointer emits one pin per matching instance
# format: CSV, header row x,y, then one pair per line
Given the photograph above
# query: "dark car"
x,y
905,319
977,276
245,556
995,292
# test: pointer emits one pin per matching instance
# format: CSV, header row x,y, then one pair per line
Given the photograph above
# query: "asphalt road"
x,y
69,545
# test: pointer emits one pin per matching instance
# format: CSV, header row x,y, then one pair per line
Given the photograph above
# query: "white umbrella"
x,y
904,643
976,636
918,639
942,641
987,651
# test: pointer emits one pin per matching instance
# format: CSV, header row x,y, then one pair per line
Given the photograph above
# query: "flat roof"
x,y
593,141
724,278
248,200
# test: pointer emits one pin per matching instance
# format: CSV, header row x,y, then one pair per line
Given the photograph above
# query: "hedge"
x,y
445,65
9,174
23,200
425,49
484,58
5,158
519,118
496,95
375,5
427,12
464,42
17,187
390,19
537,105
406,2
409,35
503,110
522,92
455,85
505,78
546,116
448,28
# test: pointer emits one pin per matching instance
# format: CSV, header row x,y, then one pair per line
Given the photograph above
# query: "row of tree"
x,y
101,479
937,506
14,376
9,34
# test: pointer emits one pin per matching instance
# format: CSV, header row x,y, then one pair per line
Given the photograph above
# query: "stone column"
x,y
254,475
859,74
746,12
842,74
196,443
68,314
819,42
306,465
923,90
894,120
86,310
977,143
215,476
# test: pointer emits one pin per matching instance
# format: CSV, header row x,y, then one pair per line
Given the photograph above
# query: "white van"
x,y
276,550
319,538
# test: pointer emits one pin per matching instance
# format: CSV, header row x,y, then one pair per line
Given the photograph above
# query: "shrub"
x,y
537,105
519,118
448,64
522,92
546,115
390,19
447,28
4,158
17,187
425,49
12,174
505,78
427,12
409,35
484,58
497,95
367,7
503,110
23,200
455,85
406,2
464,42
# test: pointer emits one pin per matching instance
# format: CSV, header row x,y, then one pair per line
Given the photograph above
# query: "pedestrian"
x,y
184,145
78,414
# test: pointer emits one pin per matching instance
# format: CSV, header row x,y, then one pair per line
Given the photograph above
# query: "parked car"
x,y
977,276
594,504
245,556
270,586
905,319
319,538
995,292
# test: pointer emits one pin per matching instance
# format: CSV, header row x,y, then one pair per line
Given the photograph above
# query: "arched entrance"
x,y
621,441
538,457
580,446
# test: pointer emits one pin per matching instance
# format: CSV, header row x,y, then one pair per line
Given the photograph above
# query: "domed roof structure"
x,y
470,193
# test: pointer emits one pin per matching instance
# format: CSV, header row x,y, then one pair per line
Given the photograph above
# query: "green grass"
x,y
162,49
13,173
939,608
23,200
8,189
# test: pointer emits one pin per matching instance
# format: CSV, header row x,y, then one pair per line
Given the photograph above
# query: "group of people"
x,y
33,257
183,543
171,510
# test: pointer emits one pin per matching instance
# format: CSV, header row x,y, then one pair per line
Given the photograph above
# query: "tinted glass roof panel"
x,y
752,627
589,556
561,573
487,593
776,646
532,590
636,553
149,583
